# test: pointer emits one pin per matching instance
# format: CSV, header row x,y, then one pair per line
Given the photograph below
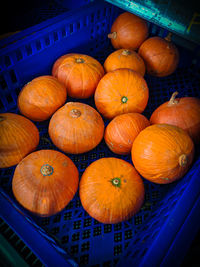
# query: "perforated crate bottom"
x,y
89,242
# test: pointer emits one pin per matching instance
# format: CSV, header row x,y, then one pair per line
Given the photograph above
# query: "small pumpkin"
x,y
79,73
128,31
45,181
76,128
121,91
160,56
183,112
41,97
162,153
124,58
111,190
122,130
19,137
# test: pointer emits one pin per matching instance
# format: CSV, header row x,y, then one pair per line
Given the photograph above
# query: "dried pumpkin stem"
x,y
126,52
46,170
2,118
75,113
183,160
80,60
172,100
112,35
169,37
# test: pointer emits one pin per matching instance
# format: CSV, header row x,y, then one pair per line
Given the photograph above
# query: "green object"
x,y
180,16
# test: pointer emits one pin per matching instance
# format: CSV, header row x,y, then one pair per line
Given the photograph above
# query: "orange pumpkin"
x,y
124,58
79,73
76,128
121,91
18,137
111,190
41,97
122,130
160,56
45,181
162,153
128,31
182,112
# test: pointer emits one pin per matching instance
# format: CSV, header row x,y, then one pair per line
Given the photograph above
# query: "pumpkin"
x,y
111,190
41,97
128,31
122,130
121,91
79,73
162,153
182,112
160,56
18,137
45,181
76,128
124,58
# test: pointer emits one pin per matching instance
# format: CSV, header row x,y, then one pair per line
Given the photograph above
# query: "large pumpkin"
x,y
162,153
122,131
183,112
128,31
79,73
121,91
18,137
111,190
76,128
41,97
160,56
45,181
124,58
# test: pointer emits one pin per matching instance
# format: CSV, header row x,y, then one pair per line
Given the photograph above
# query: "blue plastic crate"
x,y
161,232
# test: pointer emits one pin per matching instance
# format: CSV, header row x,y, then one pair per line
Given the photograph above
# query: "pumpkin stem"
x,y
183,160
126,52
124,99
2,118
169,37
116,182
46,170
80,60
112,35
172,100
75,113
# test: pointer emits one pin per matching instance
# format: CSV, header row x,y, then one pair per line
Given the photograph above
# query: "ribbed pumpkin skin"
x,y
122,131
124,58
183,112
18,137
131,31
160,56
109,203
76,128
47,194
41,97
121,91
162,153
79,73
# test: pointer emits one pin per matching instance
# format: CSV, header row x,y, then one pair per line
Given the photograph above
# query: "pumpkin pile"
x,y
111,190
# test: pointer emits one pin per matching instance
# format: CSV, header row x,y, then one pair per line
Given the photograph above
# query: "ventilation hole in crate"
x,y
155,194
57,218
63,32
71,28
9,99
65,239
118,226
77,224
138,220
92,17
78,203
18,54
69,206
86,234
85,246
118,237
78,25
87,222
3,83
47,40
7,61
107,228
13,76
55,230
96,222
128,234
97,231
38,45
107,264
93,156
84,259
74,249
28,50
45,221
117,250
75,236
55,36
83,166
